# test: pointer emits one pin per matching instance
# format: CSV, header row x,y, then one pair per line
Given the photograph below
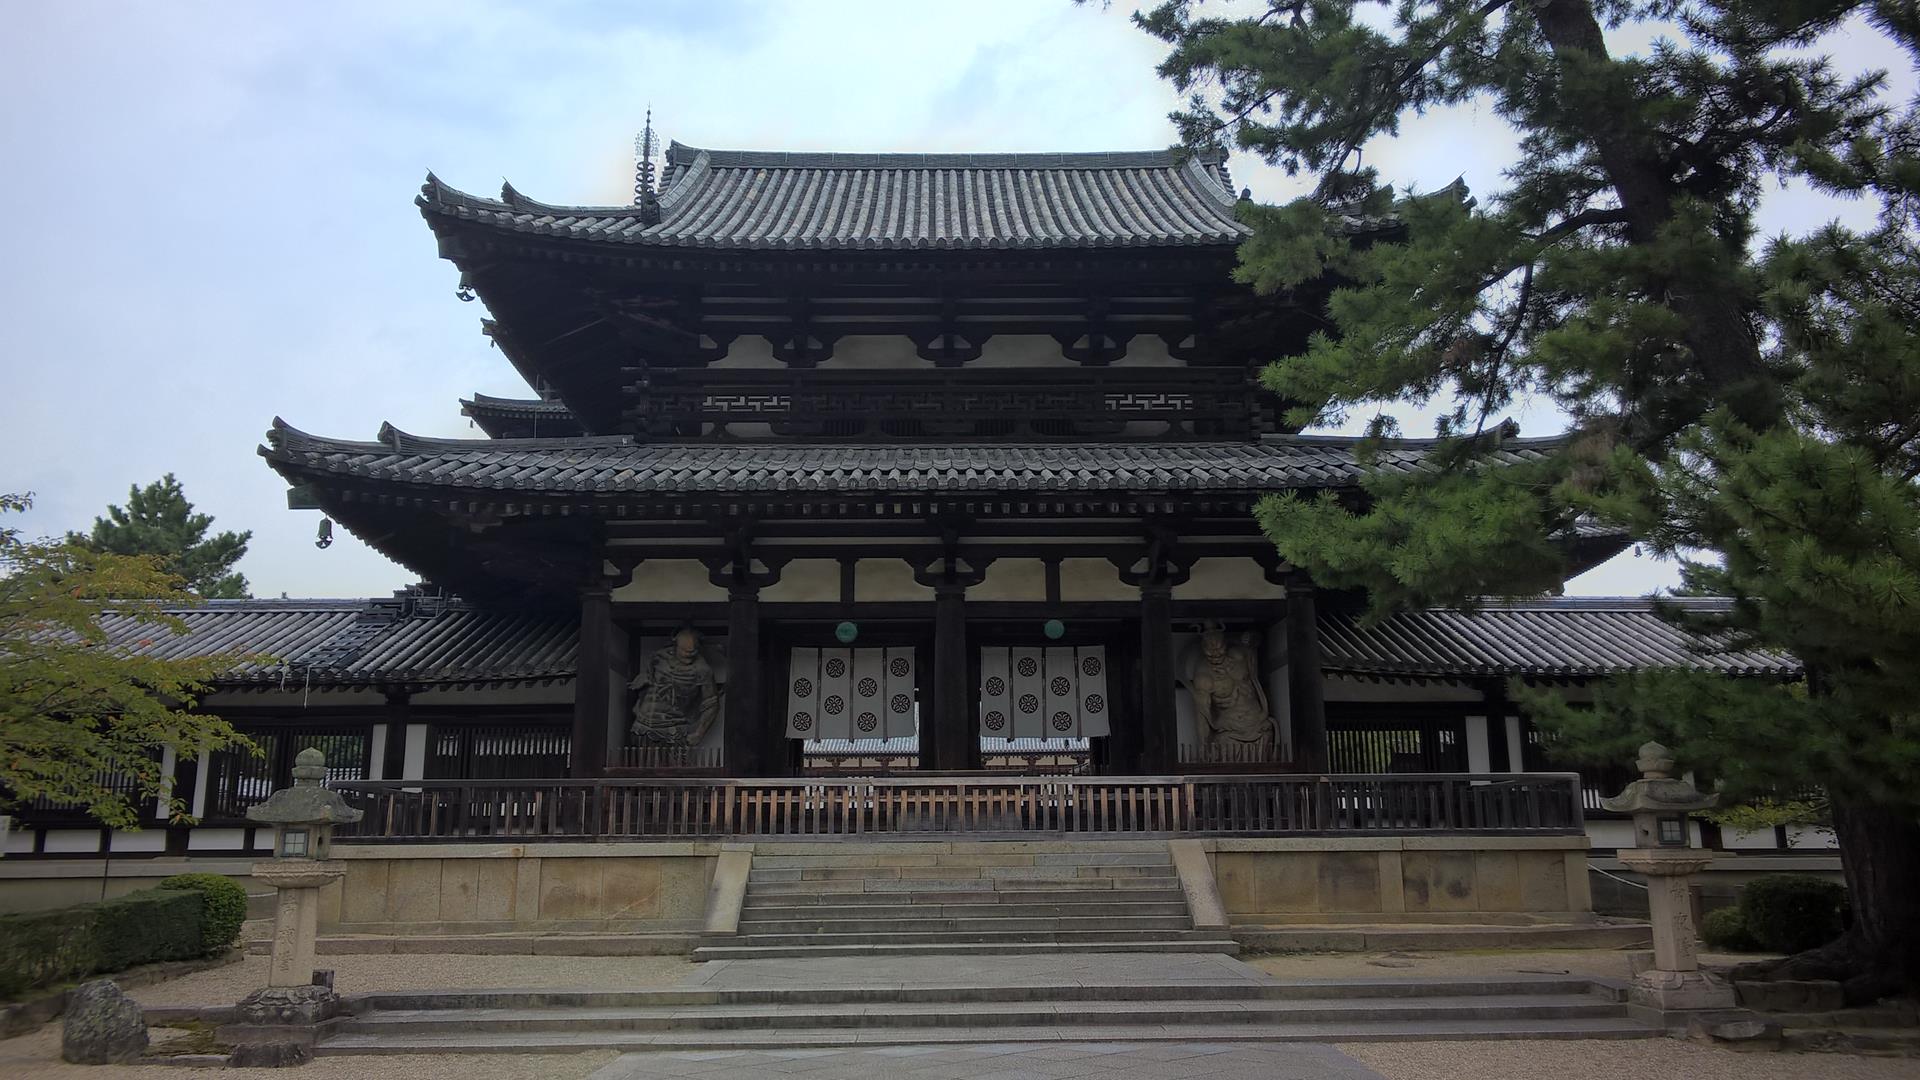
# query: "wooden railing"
x,y
1506,803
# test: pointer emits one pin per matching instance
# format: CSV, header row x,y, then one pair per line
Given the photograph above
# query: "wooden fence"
x,y
641,809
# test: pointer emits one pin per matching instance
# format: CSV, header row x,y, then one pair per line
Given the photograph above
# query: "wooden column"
x,y
1159,716
948,741
744,732
1155,572
1306,689
592,687
751,740
952,740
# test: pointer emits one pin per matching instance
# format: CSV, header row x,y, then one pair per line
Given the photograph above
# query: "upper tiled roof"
x,y
420,641
737,199
1566,636
503,417
617,465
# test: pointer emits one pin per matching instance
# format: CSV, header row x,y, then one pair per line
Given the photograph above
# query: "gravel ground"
x,y
1649,1059
1413,963
31,1057
429,971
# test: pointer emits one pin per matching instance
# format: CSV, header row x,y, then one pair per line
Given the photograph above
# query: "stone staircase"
x,y
967,898
447,1022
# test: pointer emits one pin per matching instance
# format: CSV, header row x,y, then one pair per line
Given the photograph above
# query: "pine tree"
x,y
1758,402
158,520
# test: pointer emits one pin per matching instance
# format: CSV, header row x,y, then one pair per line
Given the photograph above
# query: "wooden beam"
x,y
1306,682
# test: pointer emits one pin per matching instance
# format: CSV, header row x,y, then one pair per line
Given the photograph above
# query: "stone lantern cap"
x,y
1658,791
306,802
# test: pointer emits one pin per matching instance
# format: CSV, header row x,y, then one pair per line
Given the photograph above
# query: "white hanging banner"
x,y
1094,722
836,688
803,694
996,693
1063,705
1028,688
869,698
899,720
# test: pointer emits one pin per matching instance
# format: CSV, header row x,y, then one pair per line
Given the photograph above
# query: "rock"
x,y
1743,1034
270,1055
1790,995
1391,963
102,1027
302,1005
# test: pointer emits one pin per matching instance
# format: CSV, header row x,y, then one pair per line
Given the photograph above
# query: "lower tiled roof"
x,y
1565,636
618,465
420,641
404,641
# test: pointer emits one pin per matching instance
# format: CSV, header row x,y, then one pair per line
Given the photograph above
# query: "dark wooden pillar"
x,y
397,714
952,740
592,687
1155,572
1159,716
1306,684
745,734
948,740
751,739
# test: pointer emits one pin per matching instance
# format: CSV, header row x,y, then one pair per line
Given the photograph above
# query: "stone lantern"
x,y
1660,803
303,817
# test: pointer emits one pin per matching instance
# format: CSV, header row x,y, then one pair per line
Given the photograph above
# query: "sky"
x,y
212,220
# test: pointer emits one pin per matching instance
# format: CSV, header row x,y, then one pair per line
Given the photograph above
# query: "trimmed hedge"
x,y
223,904
1792,913
43,948
1725,929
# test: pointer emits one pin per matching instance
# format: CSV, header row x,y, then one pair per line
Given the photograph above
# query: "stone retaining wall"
x,y
1430,879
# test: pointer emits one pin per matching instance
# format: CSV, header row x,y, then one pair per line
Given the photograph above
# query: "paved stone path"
x,y
1002,1061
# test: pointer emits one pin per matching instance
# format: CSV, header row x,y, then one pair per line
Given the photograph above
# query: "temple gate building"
x,y
839,466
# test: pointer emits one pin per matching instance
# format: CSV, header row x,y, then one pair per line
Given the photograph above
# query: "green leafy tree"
x,y
1750,406
83,717
158,520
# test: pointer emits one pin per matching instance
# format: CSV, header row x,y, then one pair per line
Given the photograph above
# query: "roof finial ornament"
x,y
644,196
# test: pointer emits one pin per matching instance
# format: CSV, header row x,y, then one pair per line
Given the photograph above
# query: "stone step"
x,y
761,875
761,1017
509,1042
1068,989
968,937
1146,943
1158,857
1007,886
838,922
1101,906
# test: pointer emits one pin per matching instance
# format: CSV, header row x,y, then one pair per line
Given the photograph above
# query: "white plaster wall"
x,y
1147,350
1747,840
1610,834
142,841
748,351
805,581
887,580
1021,350
1093,579
377,753
20,841
1227,579
413,765
72,841
1811,837
203,839
875,352
1013,579
670,581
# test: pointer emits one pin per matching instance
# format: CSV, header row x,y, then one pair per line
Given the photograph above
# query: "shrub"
x,y
46,948
1725,930
39,948
147,926
1792,913
223,904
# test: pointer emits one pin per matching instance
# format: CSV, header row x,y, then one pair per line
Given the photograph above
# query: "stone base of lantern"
x,y
282,1022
